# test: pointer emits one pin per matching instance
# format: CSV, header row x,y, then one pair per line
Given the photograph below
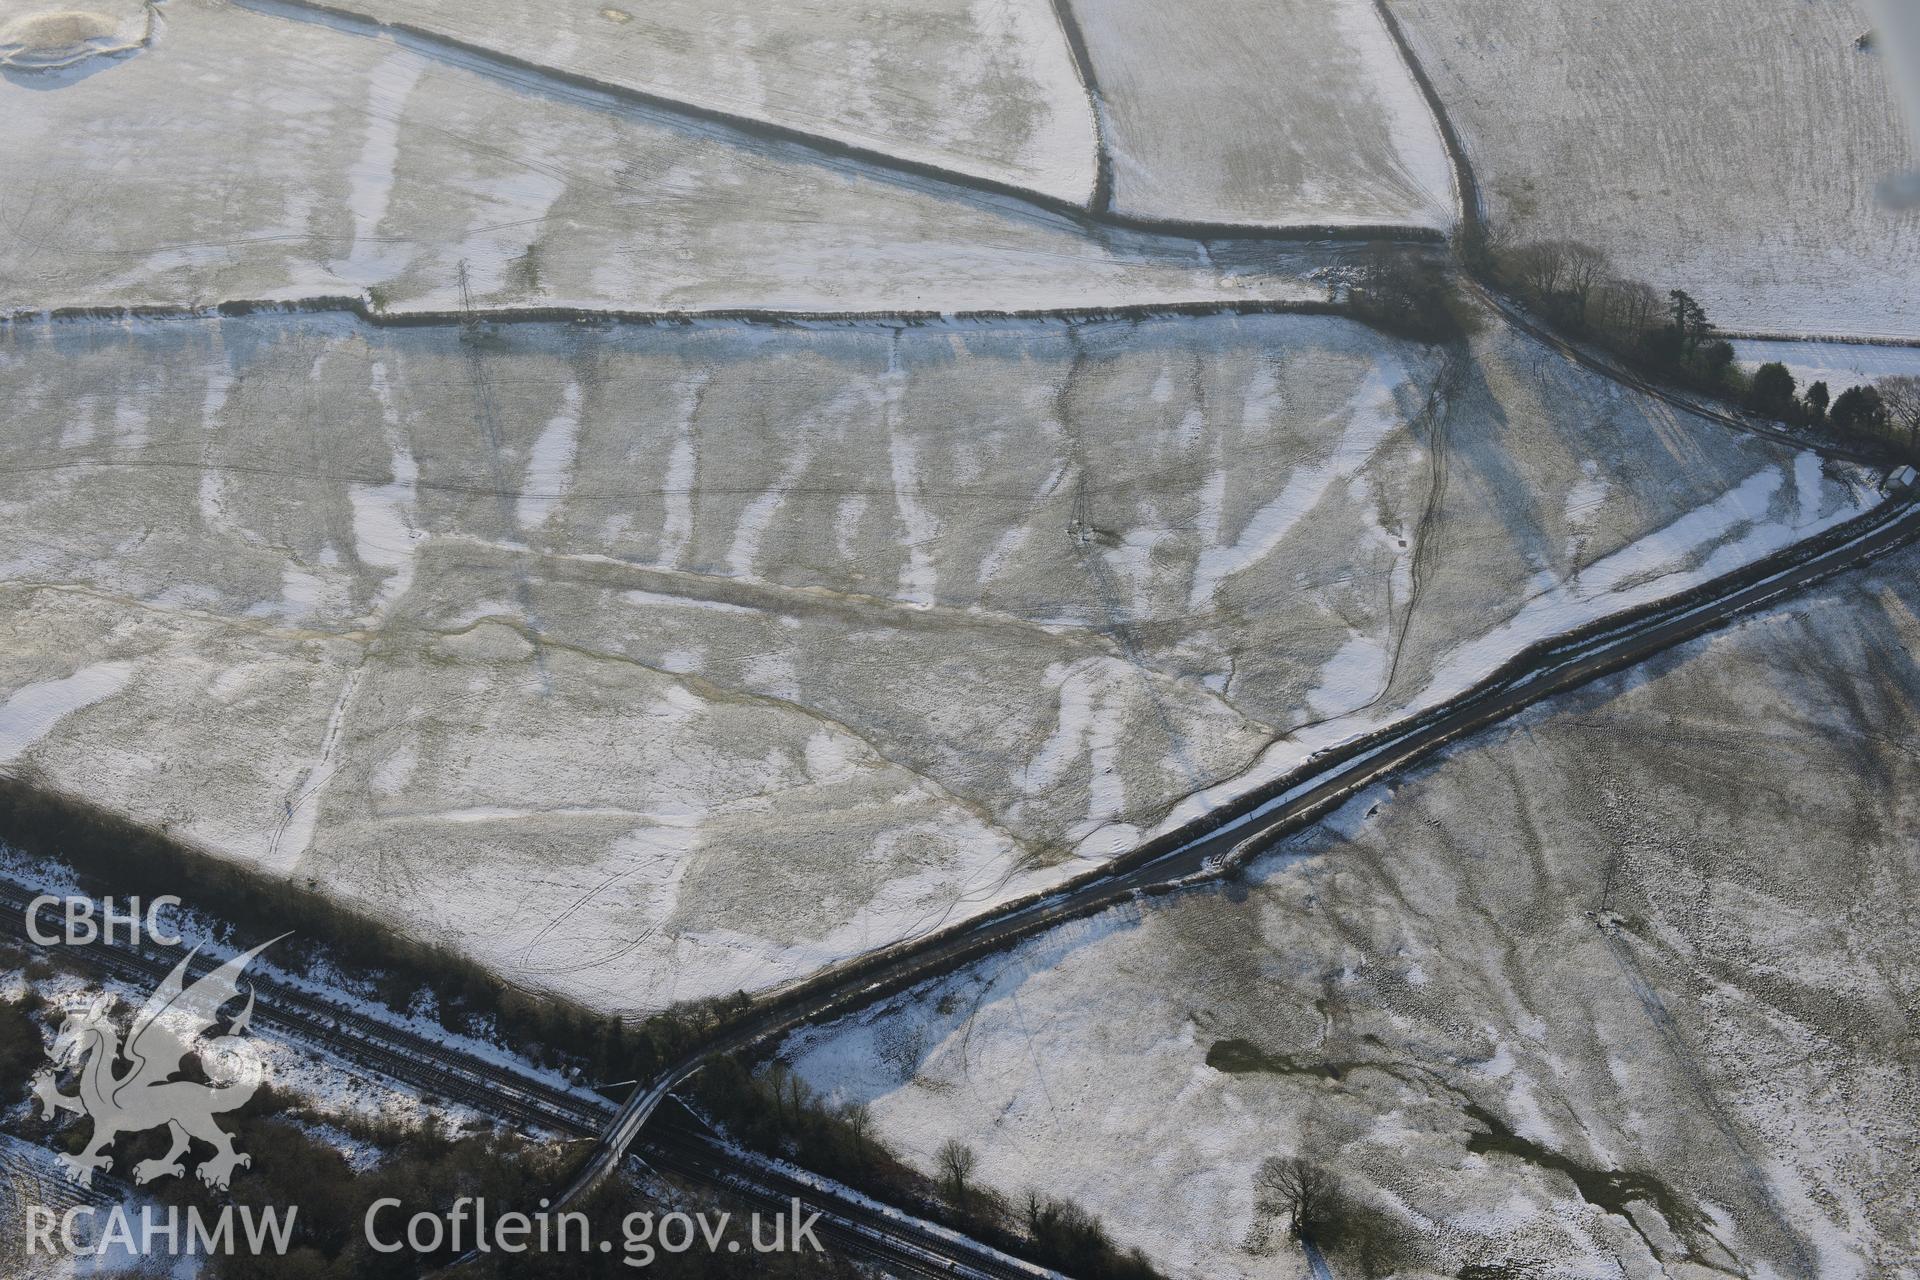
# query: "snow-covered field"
x,y
983,87
1623,988
1727,147
247,155
1838,364
37,38
1270,112
650,663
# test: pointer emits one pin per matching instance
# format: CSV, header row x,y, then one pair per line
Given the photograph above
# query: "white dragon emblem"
x,y
146,1095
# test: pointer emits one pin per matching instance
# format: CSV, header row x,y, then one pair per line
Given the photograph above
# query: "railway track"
x,y
679,1144
1216,845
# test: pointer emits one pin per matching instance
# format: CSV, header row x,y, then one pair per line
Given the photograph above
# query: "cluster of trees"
x,y
774,1112
777,1113
1669,336
1409,293
1574,286
426,1167
1074,1241
1885,415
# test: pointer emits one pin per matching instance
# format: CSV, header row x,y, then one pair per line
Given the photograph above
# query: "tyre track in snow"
x,y
1466,184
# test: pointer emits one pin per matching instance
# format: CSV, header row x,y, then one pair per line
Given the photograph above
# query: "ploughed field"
x,y
1622,987
646,663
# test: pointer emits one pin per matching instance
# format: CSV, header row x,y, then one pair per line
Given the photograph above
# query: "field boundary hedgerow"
x,y
756,131
366,312
1101,203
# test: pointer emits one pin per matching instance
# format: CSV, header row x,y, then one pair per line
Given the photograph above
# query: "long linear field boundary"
x,y
1837,339
1102,202
361,309
1466,184
1289,803
747,130
1606,367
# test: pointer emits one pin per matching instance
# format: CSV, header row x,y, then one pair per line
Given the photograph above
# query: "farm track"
x,y
681,1144
1514,314
1220,843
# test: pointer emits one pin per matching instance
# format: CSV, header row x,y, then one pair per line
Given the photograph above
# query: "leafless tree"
x,y
1901,395
788,1092
1535,266
1298,1188
1585,269
1566,276
955,1160
1629,307
858,1118
1542,266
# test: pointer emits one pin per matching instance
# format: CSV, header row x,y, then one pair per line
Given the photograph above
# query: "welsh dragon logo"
x,y
146,1095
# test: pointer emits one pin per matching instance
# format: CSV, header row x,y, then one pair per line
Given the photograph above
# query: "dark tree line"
x,y
1884,416
1669,336
1573,286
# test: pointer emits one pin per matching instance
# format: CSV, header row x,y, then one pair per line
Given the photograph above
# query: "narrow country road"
x,y
1225,840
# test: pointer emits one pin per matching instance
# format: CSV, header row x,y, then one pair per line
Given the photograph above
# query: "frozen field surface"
x,y
375,169
1270,112
984,87
1838,364
647,663
1624,988
1730,148
37,37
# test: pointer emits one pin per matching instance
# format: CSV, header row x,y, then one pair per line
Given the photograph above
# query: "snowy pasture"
x,y
1729,148
38,37
1251,111
982,87
1621,989
375,168
648,663
1838,364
